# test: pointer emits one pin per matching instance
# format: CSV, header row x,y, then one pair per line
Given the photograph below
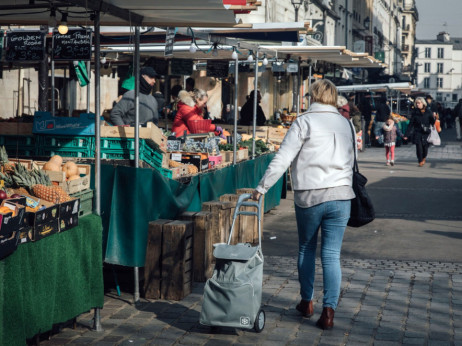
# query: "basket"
x,y
199,126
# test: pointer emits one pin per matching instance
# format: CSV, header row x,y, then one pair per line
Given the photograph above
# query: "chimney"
x,y
443,37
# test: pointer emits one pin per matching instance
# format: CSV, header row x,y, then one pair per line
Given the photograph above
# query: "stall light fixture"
x,y
103,59
62,28
265,60
215,50
234,54
250,57
52,20
192,47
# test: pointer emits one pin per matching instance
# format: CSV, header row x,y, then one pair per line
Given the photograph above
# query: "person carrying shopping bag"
x,y
318,147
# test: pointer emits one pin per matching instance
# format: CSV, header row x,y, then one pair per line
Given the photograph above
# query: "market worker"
x,y
123,113
191,107
247,111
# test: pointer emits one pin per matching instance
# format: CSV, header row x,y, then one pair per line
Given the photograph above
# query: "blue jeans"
x,y
332,217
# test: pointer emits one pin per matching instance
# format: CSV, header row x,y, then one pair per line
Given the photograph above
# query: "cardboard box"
x,y
215,161
8,244
69,214
200,160
8,222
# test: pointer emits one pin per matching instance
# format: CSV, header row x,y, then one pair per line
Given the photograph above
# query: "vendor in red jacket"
x,y
191,107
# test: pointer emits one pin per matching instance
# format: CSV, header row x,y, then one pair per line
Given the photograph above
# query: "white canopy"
x,y
405,87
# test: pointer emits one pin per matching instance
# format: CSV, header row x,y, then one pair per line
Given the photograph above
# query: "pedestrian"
x,y
247,111
390,133
343,107
458,118
382,114
432,106
319,148
419,128
123,113
189,84
366,110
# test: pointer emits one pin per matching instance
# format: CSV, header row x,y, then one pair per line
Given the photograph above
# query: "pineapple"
x,y
39,184
6,166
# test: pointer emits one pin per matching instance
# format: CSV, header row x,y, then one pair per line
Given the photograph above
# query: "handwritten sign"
x,y
181,67
75,45
25,45
217,68
169,41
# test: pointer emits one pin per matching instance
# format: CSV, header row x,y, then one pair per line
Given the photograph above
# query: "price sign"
x,y
75,45
25,45
181,67
217,68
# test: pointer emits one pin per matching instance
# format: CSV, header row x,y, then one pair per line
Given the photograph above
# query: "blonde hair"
x,y
324,91
421,99
341,101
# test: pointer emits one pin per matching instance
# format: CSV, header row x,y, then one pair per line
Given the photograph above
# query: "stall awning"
x,y
211,13
405,88
333,54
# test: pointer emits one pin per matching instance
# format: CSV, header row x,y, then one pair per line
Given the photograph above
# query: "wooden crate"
x,y
153,260
151,132
241,155
248,225
22,129
261,132
219,221
26,163
177,260
72,186
169,262
203,245
276,134
237,236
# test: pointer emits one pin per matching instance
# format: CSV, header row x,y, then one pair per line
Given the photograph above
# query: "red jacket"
x,y
186,111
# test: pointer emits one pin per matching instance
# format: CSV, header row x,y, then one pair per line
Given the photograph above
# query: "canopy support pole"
x,y
53,108
236,112
136,294
97,317
310,71
255,102
88,86
298,87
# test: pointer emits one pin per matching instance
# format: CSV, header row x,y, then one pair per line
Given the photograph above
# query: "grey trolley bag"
x,y
232,296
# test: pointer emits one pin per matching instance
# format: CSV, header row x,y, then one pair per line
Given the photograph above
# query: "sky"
x,y
434,14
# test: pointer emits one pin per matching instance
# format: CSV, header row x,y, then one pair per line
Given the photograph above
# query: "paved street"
x,y
402,274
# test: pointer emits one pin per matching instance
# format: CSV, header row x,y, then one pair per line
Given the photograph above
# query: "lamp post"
x,y
296,4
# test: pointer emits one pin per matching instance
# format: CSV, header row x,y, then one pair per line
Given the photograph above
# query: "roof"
x,y
403,87
456,42
183,13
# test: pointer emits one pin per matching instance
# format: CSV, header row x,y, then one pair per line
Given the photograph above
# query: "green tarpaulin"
x,y
50,281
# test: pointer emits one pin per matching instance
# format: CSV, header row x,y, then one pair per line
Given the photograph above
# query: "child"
x,y
390,132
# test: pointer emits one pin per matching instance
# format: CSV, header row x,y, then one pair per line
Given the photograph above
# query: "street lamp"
x,y
296,4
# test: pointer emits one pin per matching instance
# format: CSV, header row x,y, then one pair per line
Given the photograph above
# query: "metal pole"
x,y
309,85
88,85
236,112
255,101
136,294
97,318
43,83
298,88
53,110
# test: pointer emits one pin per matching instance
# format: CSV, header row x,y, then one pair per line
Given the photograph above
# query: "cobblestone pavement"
x,y
382,303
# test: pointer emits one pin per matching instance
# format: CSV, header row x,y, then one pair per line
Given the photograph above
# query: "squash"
x,y
73,177
70,168
57,160
52,166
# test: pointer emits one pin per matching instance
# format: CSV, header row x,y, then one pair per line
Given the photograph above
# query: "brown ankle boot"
x,y
305,307
326,321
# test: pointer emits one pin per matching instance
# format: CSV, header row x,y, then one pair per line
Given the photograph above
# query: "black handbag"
x,y
362,210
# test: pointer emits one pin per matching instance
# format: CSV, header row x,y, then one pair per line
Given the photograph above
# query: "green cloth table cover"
x,y
132,197
50,281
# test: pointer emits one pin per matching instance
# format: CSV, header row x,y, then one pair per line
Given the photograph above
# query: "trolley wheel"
x,y
259,321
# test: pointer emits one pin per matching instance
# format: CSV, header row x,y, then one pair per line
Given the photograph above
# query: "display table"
x,y
51,281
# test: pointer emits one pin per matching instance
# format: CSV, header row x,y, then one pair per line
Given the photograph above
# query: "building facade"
x,y
409,19
439,68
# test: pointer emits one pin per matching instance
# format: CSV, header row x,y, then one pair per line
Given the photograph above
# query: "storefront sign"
x,y
25,45
75,45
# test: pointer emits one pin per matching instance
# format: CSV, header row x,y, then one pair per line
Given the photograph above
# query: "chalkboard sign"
x,y
217,68
181,67
75,45
25,45
169,41
159,65
240,68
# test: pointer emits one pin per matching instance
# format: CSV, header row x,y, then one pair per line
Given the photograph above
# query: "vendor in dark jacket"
x,y
419,128
247,111
123,113
383,112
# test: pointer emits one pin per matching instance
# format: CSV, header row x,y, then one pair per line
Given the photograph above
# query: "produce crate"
x,y
51,151
10,223
73,186
241,155
21,141
276,135
67,142
69,214
16,151
124,149
86,202
8,244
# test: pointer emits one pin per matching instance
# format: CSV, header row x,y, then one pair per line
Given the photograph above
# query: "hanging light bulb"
x,y
265,61
192,47
62,28
103,59
234,54
215,50
250,57
52,20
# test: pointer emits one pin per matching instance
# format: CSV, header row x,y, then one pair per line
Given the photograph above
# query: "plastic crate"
x,y
112,143
67,142
20,141
165,172
86,201
16,151
44,151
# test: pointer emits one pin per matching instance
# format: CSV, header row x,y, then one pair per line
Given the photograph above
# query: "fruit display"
x,y
5,164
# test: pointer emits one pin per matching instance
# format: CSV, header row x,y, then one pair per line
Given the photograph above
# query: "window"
x,y
440,53
428,52
439,97
427,82
416,51
427,67
454,97
439,67
439,82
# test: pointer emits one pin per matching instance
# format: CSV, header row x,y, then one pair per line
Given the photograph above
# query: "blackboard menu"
x,y
159,65
75,45
181,67
217,68
169,41
25,45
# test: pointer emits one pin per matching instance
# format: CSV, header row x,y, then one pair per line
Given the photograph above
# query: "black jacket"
x,y
383,111
419,123
247,114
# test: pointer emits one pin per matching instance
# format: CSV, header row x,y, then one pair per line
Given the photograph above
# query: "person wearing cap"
x,y
123,113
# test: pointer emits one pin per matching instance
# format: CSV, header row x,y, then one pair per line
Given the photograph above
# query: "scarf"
x,y
387,127
145,87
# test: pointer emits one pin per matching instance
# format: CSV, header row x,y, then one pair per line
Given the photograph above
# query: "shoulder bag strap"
x,y
355,165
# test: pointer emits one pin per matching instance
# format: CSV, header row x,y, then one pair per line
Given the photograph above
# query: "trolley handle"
x,y
243,202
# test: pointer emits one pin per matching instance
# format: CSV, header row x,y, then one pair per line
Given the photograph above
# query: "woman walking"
x,y
419,128
319,146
